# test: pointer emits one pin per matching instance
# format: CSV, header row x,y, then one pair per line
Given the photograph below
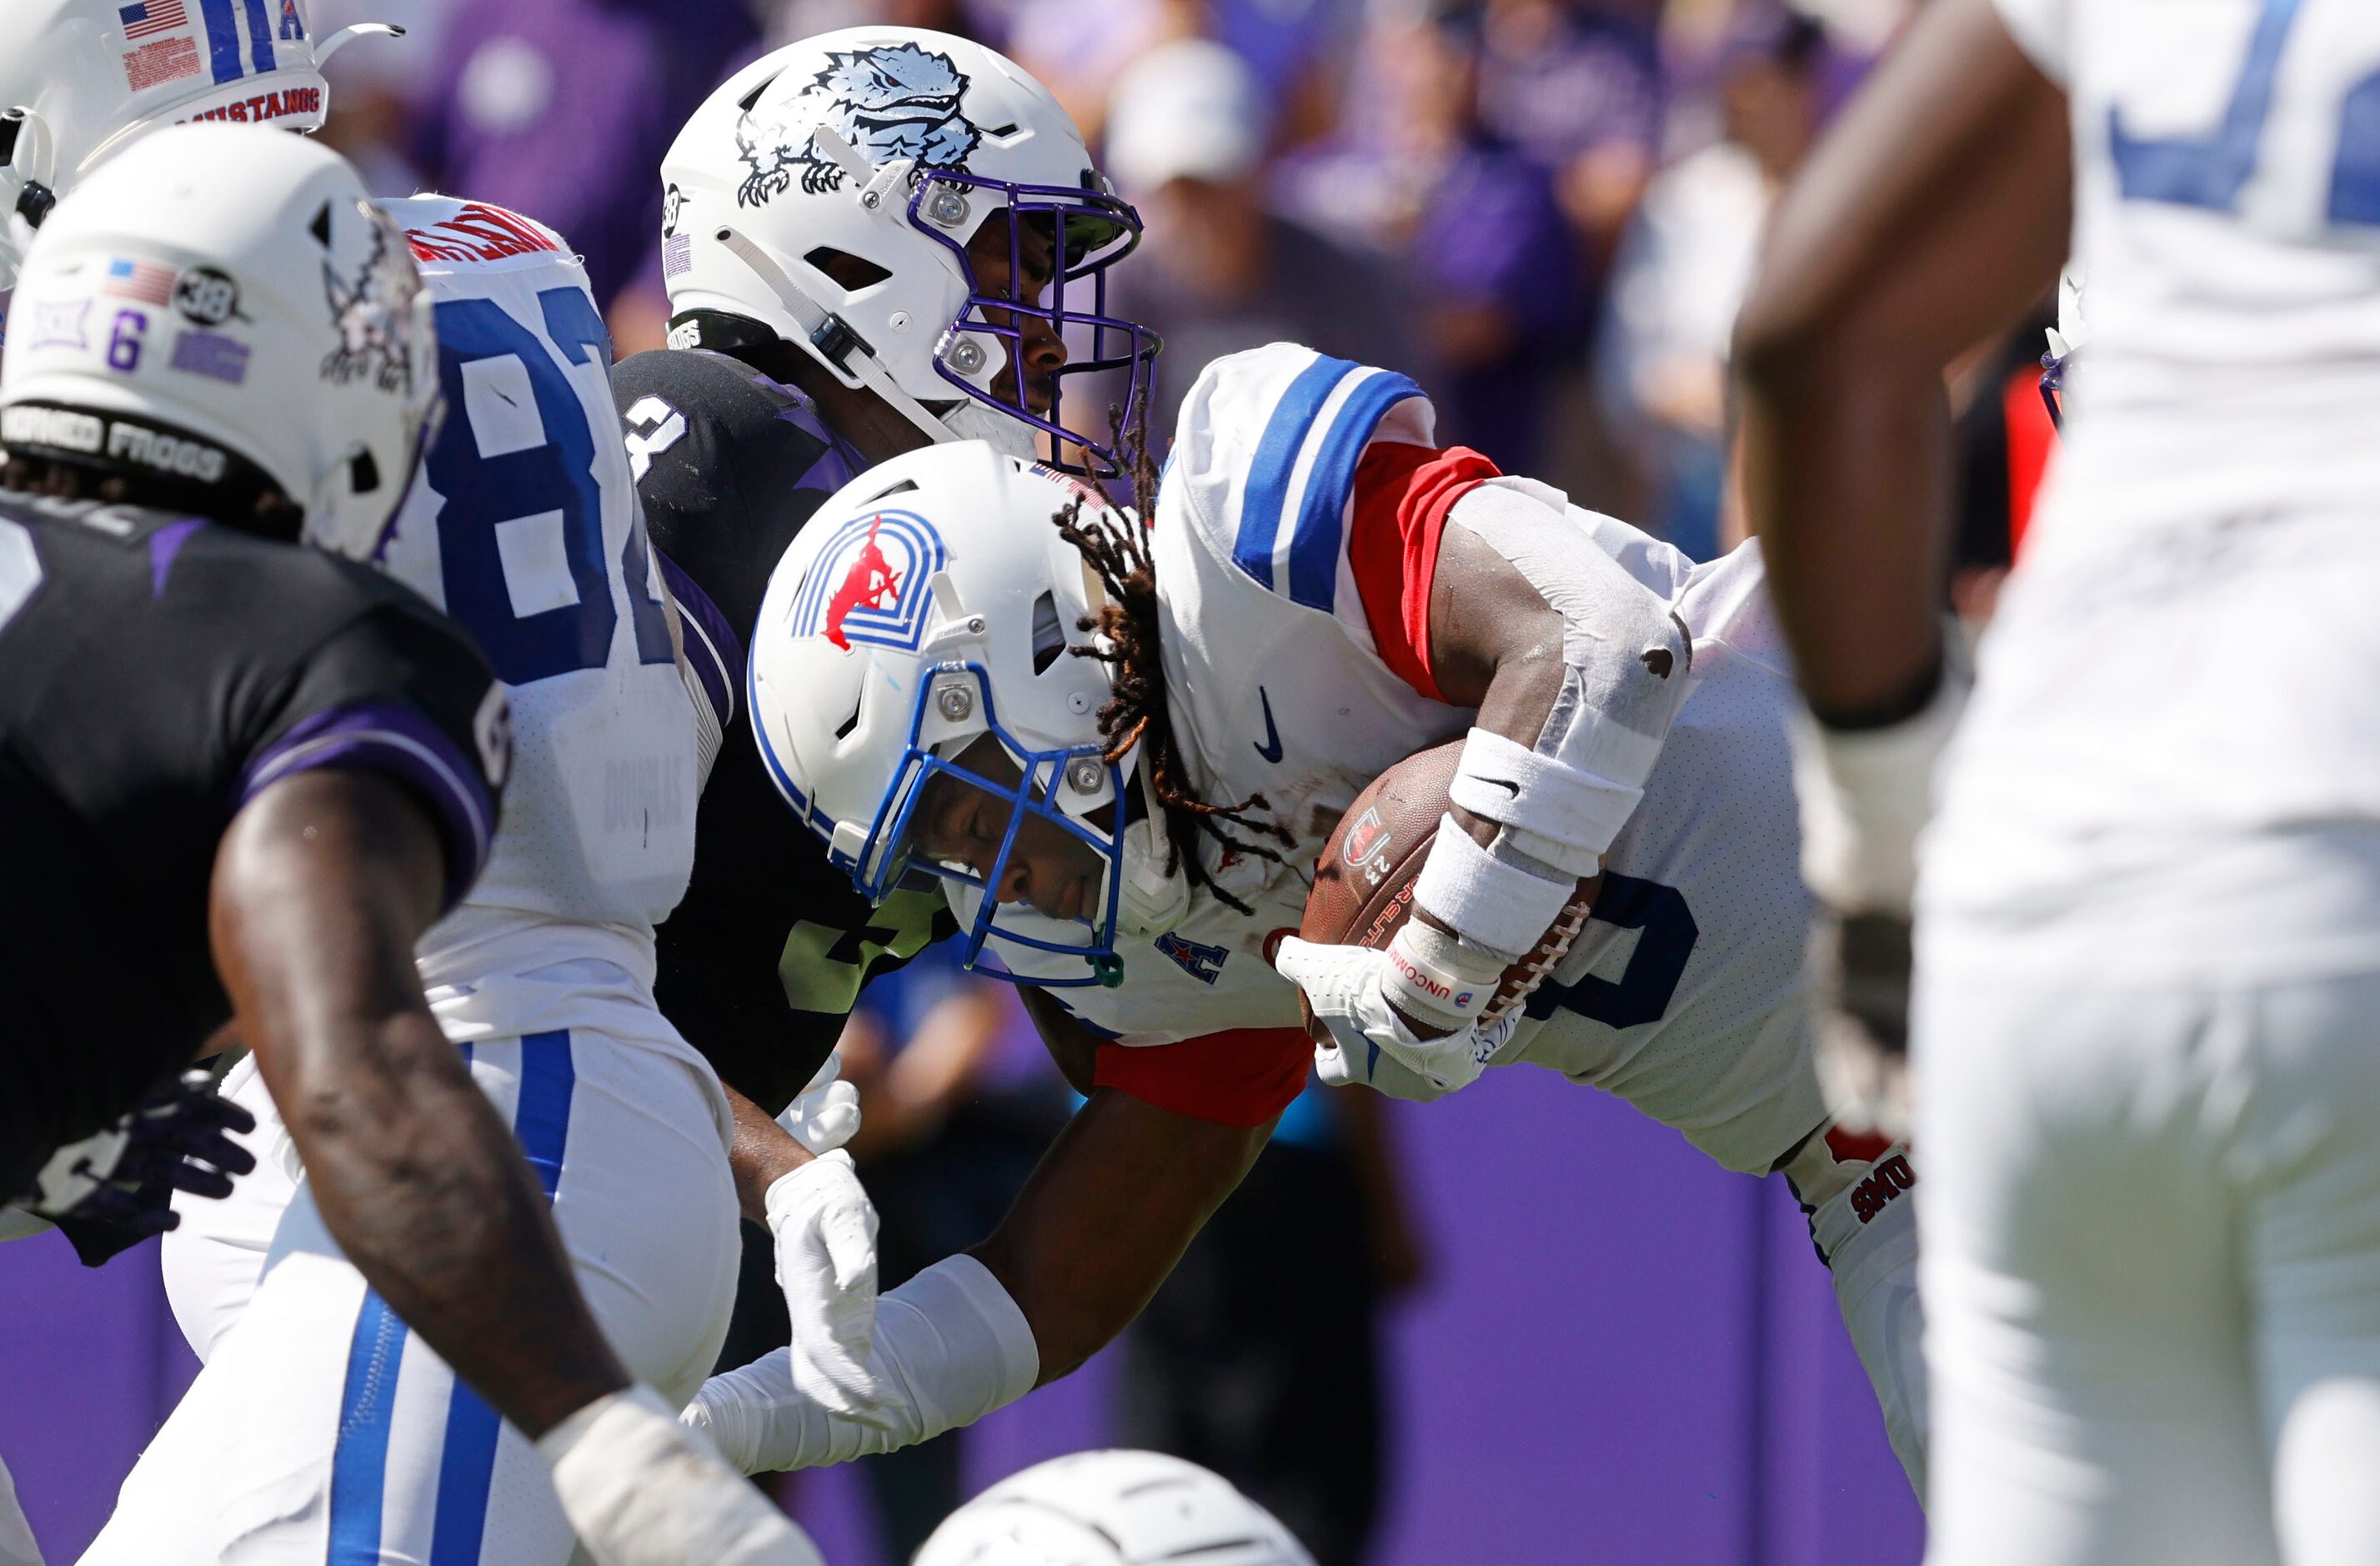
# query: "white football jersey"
x,y
1684,995
2168,763
523,523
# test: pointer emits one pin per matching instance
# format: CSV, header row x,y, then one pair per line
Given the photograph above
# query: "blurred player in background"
x,y
1334,592
360,744
2149,933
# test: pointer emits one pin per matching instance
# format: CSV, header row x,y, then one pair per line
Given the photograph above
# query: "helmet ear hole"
x,y
1048,636
852,272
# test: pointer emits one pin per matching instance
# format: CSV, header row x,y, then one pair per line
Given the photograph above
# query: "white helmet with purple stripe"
x,y
81,80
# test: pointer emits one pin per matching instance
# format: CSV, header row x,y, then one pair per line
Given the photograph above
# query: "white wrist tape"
x,y
1561,815
950,1347
1433,976
1493,904
1865,793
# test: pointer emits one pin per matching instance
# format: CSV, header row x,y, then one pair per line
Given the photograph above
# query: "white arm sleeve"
x,y
951,1346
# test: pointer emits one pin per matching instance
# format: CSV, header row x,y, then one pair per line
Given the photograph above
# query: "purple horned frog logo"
x,y
373,313
889,102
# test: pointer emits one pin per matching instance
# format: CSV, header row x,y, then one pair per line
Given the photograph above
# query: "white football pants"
x,y
322,1431
2151,1270
1863,1221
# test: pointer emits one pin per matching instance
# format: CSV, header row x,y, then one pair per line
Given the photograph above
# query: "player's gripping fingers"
x,y
639,1489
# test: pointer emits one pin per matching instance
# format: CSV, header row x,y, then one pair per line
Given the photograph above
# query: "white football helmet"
x,y
1112,1508
928,604
894,145
80,79
217,306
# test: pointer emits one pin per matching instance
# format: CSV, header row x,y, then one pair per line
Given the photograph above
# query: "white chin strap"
x,y
1150,902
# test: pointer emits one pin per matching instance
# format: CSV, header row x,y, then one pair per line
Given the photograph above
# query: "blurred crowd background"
x,y
1546,210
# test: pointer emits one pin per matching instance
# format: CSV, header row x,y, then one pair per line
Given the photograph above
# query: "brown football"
x,y
1362,883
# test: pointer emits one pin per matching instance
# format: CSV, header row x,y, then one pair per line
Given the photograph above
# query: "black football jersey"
x,y
157,671
761,963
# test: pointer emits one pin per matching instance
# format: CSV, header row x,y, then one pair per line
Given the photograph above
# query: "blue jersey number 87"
x,y
516,502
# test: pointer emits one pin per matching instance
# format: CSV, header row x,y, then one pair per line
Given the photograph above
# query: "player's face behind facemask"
x,y
1017,856
218,321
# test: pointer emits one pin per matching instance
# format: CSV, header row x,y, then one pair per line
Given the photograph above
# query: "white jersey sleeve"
x,y
1263,469
523,523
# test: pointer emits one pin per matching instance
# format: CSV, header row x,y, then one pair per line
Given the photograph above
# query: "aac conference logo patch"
x,y
871,582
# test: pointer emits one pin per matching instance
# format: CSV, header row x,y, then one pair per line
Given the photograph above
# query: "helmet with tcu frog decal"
x,y
880,153
219,308
81,80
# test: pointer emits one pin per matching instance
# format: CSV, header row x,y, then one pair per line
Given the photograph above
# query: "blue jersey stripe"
x,y
259,35
1275,461
359,1457
1322,512
223,40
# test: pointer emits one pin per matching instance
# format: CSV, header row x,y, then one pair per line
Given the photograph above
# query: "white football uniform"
x,y
1684,995
2149,907
317,1429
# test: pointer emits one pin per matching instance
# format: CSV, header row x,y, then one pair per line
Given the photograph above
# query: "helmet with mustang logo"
x,y
911,655
82,79
827,195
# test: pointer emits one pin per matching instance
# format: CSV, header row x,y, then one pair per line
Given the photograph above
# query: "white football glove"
x,y
825,1113
640,1489
1348,988
825,1228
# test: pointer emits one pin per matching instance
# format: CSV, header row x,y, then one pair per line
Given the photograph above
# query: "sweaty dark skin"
x,y
1128,1185
1928,220
322,887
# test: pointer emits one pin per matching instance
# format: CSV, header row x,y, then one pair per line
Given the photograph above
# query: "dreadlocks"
x,y
1117,549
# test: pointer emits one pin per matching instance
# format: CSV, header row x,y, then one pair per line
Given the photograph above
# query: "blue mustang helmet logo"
x,y
889,102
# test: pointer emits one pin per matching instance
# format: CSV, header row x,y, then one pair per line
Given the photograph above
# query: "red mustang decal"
x,y
870,584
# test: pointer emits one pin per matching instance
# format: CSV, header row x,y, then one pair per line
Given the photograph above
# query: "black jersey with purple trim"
x,y
156,672
761,963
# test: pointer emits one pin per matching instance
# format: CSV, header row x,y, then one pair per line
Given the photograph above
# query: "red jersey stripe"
x,y
1403,493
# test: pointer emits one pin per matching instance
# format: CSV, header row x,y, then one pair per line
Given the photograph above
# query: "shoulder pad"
x,y
1264,460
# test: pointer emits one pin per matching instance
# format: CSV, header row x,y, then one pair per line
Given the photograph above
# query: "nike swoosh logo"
x,y
1270,747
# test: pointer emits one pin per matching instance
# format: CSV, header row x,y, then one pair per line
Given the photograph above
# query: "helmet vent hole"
x,y
842,730
904,487
853,272
1008,129
1048,636
363,474
320,227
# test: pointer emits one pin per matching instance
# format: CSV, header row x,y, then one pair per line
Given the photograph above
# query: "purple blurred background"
x,y
1627,1357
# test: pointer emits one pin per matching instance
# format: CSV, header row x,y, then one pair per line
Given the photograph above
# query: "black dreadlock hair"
x,y
1117,549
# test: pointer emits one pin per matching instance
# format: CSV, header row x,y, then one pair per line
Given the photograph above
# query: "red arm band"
x,y
1403,493
1243,1077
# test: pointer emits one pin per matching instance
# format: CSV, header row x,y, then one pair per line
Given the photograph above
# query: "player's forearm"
x,y
322,887
1115,1202
1929,218
424,1188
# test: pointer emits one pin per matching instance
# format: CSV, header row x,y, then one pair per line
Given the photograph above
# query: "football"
x,y
1364,881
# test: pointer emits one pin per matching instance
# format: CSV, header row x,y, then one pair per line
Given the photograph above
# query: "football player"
x,y
222,746
2147,942
1324,591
